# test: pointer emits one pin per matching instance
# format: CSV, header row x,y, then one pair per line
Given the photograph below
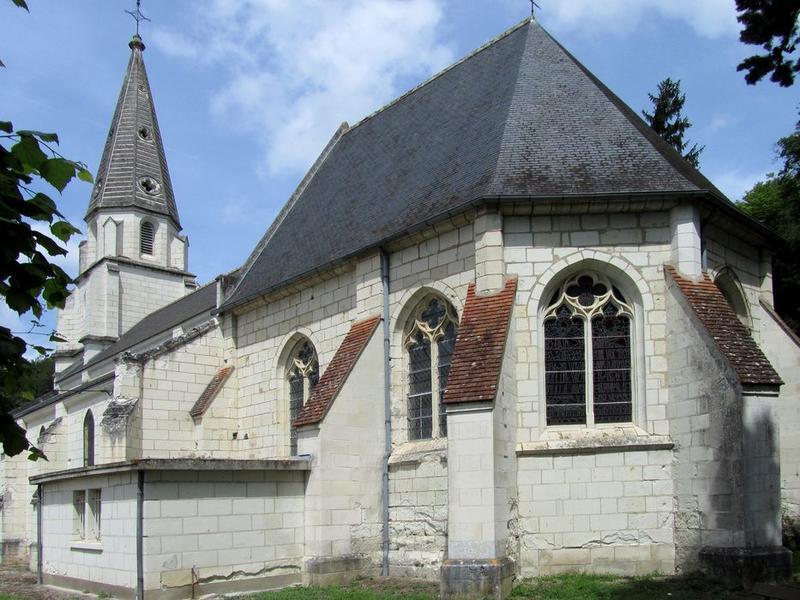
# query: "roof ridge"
x,y
664,149
511,102
287,207
444,71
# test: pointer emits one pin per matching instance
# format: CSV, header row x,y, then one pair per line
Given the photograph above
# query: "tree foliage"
x,y
771,24
776,203
668,121
32,231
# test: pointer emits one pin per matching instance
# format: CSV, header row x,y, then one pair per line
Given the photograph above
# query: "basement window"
x,y
146,238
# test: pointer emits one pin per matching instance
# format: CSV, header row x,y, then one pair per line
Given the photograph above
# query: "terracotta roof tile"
x,y
731,337
480,344
335,375
213,387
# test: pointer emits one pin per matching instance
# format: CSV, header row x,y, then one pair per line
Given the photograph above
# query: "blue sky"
x,y
249,91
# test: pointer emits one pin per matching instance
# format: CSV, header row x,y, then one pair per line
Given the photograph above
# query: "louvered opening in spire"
x,y
133,170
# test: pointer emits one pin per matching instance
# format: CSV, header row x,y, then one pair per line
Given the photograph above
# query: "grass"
x,y
4,596
570,586
580,586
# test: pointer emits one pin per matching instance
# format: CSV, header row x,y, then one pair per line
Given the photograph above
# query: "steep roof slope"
x,y
133,152
518,118
203,300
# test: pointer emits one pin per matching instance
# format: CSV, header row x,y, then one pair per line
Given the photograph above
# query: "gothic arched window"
x,y
588,365
88,439
429,342
302,375
146,237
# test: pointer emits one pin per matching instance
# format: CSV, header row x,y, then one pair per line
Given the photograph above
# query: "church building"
x,y
522,336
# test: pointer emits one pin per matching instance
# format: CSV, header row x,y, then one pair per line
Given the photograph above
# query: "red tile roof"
x,y
213,387
335,375
731,337
480,344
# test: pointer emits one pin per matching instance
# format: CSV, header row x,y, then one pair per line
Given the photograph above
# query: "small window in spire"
x,y
149,185
146,237
144,133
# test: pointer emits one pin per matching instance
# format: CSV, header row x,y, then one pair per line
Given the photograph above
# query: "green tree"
x,y
776,203
771,24
32,231
667,119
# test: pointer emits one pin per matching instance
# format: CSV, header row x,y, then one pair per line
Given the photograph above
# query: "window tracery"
x,y
302,376
429,342
588,359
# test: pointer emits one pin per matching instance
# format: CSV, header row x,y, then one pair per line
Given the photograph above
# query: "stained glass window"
x,y
430,345
587,336
302,376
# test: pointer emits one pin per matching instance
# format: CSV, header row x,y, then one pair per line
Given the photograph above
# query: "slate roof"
x,y
731,337
478,355
211,391
519,118
133,150
332,380
203,300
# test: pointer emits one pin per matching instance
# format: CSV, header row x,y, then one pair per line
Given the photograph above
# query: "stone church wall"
x,y
783,352
111,560
706,426
542,250
213,527
172,383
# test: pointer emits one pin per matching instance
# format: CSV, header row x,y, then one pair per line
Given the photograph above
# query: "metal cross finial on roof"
x,y
137,15
534,6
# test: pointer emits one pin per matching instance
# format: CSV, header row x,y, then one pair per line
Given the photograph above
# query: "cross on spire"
x,y
534,6
138,16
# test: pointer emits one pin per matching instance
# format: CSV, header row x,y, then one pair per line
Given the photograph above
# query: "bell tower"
x,y
134,259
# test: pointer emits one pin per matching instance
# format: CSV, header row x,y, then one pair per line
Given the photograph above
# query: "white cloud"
x,y
293,71
708,18
721,121
735,183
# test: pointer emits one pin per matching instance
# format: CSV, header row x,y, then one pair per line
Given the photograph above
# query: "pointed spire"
x,y
133,171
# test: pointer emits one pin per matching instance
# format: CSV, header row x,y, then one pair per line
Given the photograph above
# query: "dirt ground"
x,y
23,584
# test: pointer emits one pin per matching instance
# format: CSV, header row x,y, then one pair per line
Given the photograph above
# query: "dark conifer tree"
x,y
668,122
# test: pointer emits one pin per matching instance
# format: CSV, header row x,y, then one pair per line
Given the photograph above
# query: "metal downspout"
x,y
387,409
140,536
39,509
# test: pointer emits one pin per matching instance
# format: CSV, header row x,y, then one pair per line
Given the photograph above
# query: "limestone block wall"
x,y
111,560
171,384
343,494
444,264
631,249
265,334
725,249
418,513
783,351
213,526
609,512
706,426
142,291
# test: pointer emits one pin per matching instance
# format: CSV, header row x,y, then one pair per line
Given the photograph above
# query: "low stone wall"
x,y
110,561
209,527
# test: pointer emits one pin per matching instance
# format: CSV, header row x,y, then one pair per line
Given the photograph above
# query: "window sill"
x,y
568,442
86,546
418,450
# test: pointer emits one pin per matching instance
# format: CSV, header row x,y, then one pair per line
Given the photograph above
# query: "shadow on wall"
x,y
756,553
